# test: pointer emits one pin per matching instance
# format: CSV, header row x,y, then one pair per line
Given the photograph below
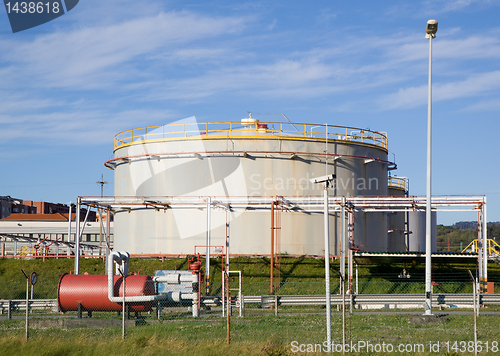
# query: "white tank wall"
x,y
260,174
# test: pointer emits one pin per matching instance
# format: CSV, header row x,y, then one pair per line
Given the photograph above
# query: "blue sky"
x,y
68,86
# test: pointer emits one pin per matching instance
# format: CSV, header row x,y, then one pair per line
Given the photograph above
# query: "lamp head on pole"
x,y
431,29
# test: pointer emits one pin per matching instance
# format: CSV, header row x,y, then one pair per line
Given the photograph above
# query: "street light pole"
x,y
431,30
326,180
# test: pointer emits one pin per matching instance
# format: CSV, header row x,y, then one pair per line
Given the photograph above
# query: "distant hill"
x,y
465,225
471,225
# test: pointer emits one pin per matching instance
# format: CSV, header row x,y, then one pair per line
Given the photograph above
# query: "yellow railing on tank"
x,y
398,182
257,129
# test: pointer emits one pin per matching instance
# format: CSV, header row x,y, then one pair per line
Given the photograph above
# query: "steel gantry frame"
x,y
336,204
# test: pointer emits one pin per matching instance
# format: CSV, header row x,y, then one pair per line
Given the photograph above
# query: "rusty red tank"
x,y
91,291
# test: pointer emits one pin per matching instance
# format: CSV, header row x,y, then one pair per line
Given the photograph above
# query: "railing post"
x,y
9,309
276,305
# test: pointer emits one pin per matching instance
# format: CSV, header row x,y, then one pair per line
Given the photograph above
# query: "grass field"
x,y
298,275
256,335
260,332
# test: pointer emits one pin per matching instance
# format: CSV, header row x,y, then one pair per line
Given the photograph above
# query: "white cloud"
x,y
474,85
437,7
484,105
93,57
75,128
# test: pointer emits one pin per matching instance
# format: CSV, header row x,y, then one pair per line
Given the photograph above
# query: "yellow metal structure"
x,y
26,251
493,247
264,130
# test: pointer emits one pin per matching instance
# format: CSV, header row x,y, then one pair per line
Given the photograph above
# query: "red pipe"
x,y
91,291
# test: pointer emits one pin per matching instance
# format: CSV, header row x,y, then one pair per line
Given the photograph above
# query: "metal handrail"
x,y
493,247
397,182
266,130
374,299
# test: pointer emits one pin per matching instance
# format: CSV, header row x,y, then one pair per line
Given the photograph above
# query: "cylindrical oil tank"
x,y
91,291
234,160
417,231
397,221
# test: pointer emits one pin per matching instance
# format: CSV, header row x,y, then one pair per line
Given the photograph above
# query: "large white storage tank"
x,y
241,159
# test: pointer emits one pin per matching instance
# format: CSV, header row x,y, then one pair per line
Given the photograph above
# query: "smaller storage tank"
x,y
91,291
397,221
416,241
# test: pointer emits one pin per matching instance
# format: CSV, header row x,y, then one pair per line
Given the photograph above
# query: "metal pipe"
x,y
485,243
122,258
272,249
327,268
77,237
357,285
209,227
27,307
69,223
342,238
108,238
428,205
123,309
112,161
175,278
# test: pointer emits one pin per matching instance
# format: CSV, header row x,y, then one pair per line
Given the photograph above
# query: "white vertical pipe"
x,y
123,309
342,264
357,279
327,268
428,206
69,223
209,223
226,273
485,243
326,149
108,222
240,296
77,237
480,249
27,306
342,238
227,241
349,251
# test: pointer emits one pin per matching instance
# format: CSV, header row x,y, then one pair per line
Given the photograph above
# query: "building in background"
x,y
9,205
32,228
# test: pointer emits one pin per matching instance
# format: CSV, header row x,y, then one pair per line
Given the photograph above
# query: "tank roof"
x,y
251,130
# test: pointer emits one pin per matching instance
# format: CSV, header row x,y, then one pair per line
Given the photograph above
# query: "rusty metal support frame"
x,y
275,262
308,204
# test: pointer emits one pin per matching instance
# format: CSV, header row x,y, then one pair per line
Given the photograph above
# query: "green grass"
x,y
259,333
256,335
298,275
